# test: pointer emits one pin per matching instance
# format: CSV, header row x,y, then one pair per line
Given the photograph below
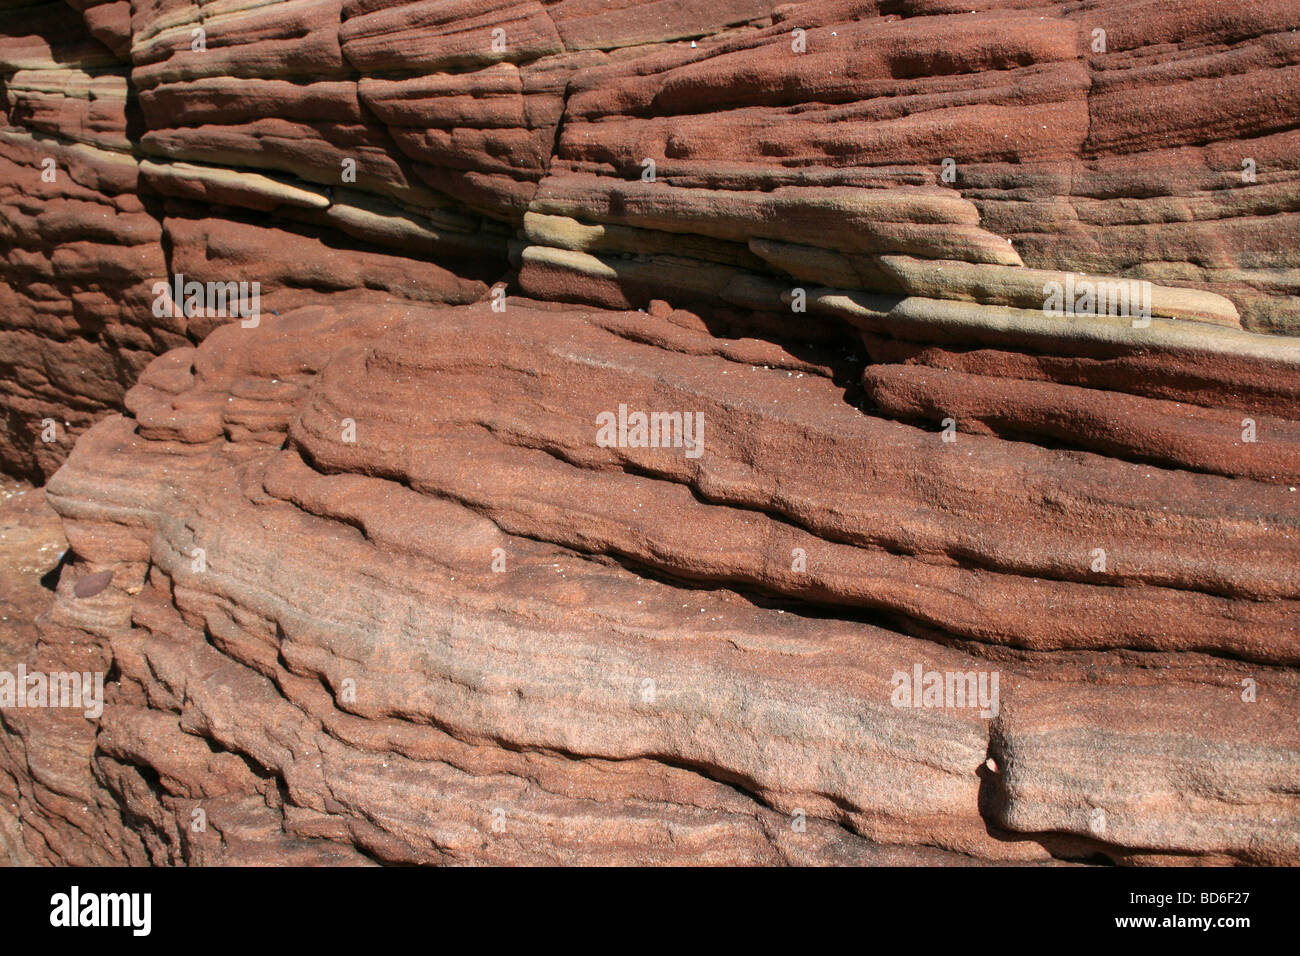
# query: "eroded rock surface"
x,y
368,585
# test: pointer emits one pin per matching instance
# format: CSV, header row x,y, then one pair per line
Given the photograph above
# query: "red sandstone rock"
x,y
370,588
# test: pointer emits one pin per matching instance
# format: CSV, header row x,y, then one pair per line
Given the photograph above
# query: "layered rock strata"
x,y
368,583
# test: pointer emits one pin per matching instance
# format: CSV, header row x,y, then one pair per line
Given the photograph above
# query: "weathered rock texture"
x,y
379,593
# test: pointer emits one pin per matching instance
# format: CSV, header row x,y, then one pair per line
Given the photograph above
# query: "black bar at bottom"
x,y
332,908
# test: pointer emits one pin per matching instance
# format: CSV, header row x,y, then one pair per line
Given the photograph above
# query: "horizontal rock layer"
x,y
821,144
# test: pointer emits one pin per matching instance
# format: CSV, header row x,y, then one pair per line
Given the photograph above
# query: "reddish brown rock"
x,y
1137,429
551,653
367,583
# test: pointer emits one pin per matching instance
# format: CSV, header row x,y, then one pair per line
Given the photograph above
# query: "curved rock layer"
x,y
387,574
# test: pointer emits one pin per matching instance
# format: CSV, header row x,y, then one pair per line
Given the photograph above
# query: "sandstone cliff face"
x,y
380,590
